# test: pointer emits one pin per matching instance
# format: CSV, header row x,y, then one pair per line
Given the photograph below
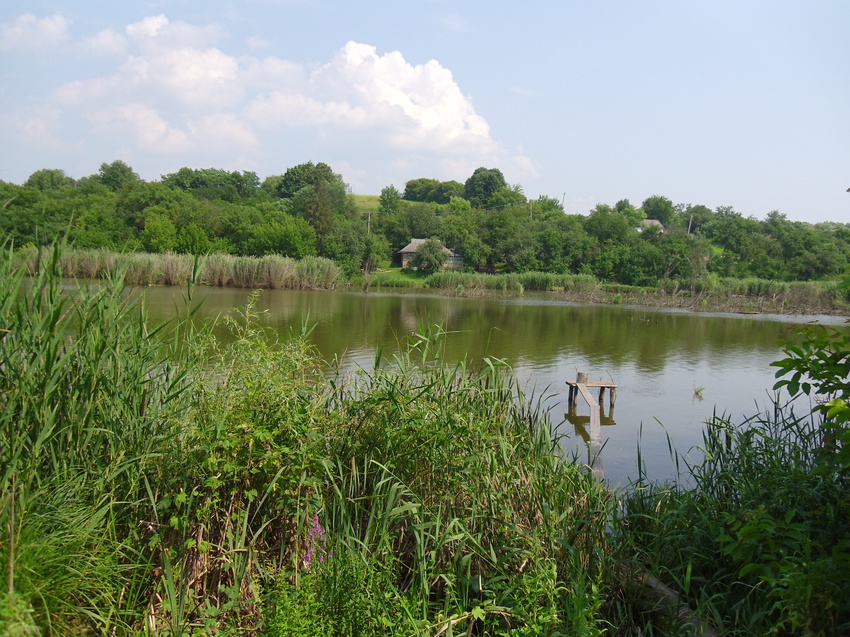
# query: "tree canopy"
x,y
308,210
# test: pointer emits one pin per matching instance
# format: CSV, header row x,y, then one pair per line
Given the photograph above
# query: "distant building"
x,y
651,223
453,262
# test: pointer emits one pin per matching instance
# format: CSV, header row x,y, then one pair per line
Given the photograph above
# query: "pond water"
x,y
674,369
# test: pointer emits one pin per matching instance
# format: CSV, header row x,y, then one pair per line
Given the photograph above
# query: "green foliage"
x,y
214,183
87,393
487,221
116,175
817,364
482,185
660,208
48,179
430,256
390,200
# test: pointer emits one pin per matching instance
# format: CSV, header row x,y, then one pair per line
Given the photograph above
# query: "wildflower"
x,y
317,544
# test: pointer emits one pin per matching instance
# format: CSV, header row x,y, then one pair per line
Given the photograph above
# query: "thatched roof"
x,y
415,244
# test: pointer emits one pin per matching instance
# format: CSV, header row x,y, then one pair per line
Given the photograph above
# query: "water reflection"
x,y
581,423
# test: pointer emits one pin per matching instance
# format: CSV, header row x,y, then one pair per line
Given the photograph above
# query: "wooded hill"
x,y
309,210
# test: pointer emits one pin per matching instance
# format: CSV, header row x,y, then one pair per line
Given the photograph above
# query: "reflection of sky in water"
x,y
657,358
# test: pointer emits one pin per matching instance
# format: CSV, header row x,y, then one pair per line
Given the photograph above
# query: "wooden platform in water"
x,y
575,386
581,385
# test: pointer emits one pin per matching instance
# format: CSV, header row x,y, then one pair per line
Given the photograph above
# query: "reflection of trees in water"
x,y
544,332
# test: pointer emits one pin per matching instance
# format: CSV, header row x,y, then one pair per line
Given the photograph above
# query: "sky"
x,y
741,103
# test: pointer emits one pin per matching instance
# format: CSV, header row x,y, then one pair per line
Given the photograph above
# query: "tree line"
x,y
309,210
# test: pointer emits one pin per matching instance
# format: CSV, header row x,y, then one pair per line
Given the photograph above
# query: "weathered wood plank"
x,y
594,383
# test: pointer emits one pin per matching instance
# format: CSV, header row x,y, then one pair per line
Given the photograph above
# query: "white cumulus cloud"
x,y
177,89
29,33
413,107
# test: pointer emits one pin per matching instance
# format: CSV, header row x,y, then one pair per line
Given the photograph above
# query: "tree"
x,y
458,204
545,207
507,196
193,240
297,177
446,190
482,185
48,179
430,257
116,175
420,189
214,183
660,208
608,225
390,200
634,215
159,234
693,218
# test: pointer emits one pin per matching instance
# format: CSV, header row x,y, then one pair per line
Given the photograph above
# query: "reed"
x,y
87,398
221,270
534,281
316,273
218,270
280,272
755,536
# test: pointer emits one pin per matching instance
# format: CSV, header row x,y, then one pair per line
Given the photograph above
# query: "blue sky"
x,y
734,103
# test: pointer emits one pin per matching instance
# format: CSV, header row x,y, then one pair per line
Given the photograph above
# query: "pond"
x,y
674,369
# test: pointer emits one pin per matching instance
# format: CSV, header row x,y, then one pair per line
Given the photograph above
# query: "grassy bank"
x,y
275,272
711,294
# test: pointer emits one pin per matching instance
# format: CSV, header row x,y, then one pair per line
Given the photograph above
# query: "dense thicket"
x,y
308,211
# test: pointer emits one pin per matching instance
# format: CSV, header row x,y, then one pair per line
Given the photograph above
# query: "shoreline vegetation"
x,y
710,293
158,482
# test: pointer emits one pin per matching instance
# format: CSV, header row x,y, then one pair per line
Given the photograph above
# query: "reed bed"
x,y
532,281
755,538
220,270
814,294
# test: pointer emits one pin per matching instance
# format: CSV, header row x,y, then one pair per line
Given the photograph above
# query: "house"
x,y
453,262
651,223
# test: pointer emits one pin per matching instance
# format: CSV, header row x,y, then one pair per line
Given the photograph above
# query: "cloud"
x,y
159,32
255,42
410,107
150,130
107,42
176,89
28,33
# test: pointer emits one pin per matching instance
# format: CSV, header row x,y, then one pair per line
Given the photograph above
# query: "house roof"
x,y
415,244
653,223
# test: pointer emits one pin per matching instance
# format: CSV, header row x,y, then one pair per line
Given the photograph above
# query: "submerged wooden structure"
x,y
582,386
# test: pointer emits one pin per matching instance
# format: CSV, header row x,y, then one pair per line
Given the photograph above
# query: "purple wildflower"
x,y
317,544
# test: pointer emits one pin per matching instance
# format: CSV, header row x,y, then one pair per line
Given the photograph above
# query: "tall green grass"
x,y
811,294
88,398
